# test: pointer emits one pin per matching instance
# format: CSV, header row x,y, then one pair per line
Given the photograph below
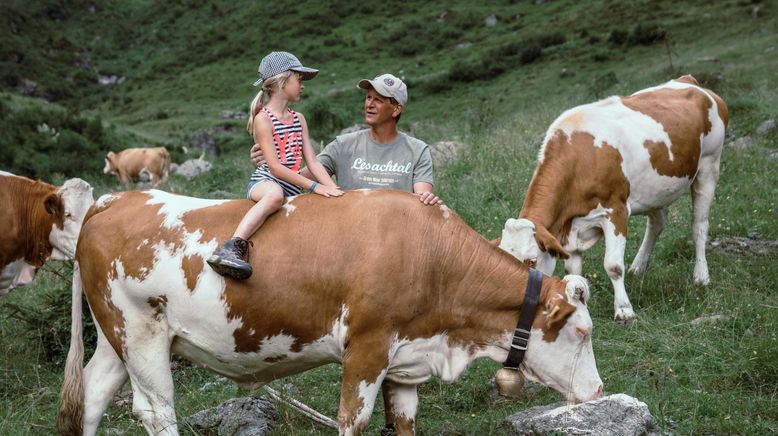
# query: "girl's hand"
x,y
327,191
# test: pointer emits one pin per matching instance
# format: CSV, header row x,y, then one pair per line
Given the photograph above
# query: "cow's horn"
x,y
509,382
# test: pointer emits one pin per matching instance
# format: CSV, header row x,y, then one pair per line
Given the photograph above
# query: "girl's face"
x,y
293,88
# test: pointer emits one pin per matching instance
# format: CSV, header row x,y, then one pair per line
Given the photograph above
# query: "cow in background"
x,y
39,222
602,162
391,289
135,163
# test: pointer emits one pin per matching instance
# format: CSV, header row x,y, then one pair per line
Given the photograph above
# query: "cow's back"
x,y
653,141
305,275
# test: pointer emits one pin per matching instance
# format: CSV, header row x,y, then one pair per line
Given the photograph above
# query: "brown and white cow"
x,y
602,162
391,289
134,163
39,222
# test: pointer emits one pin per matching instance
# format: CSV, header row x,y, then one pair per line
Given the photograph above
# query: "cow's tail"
x,y
165,165
71,406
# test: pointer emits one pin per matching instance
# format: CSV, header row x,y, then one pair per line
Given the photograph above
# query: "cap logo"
x,y
388,82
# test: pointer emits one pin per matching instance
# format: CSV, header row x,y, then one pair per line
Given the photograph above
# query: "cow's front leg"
x,y
654,226
364,368
614,230
400,403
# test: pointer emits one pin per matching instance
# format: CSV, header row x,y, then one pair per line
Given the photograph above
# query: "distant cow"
x,y
133,163
604,161
391,289
39,222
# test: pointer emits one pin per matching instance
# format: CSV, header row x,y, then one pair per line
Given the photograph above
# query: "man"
x,y
379,156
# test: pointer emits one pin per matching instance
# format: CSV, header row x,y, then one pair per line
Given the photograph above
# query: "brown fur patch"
x,y
158,304
587,175
683,113
192,266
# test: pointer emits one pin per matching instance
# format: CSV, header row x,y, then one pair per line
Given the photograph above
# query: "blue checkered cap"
x,y
278,62
388,86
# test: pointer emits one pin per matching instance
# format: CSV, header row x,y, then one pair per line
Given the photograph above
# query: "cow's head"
x,y
110,163
559,354
76,198
531,244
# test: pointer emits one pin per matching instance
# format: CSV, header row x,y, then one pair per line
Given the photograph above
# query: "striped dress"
x,y
288,141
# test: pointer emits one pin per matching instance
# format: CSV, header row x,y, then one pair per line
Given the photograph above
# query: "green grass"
x,y
192,61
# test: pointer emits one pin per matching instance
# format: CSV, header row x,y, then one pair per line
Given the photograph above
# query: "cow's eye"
x,y
68,215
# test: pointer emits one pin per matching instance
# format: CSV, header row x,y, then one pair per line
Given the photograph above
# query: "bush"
x,y
324,118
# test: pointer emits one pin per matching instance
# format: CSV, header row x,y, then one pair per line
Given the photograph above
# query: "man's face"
x,y
379,109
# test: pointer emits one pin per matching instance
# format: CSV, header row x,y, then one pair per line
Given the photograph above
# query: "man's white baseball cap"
x,y
388,86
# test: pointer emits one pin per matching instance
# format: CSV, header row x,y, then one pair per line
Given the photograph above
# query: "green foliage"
x,y
38,142
324,117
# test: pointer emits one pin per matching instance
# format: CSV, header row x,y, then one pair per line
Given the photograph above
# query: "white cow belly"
x,y
651,191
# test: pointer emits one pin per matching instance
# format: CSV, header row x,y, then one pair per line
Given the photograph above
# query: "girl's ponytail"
x,y
257,104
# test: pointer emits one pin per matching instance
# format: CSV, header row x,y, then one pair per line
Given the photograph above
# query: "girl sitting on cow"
x,y
283,137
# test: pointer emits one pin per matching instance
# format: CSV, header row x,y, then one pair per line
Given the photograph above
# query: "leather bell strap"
x,y
527,315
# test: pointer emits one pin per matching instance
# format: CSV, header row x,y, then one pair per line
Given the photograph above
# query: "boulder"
x,y
766,127
247,416
193,168
741,143
204,140
617,414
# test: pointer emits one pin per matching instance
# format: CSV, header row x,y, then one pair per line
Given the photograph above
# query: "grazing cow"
x,y
389,288
133,163
39,222
604,161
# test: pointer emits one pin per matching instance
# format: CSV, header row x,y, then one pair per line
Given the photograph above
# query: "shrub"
x,y
618,37
324,118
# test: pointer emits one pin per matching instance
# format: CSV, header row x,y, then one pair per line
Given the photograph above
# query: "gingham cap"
x,y
388,86
278,62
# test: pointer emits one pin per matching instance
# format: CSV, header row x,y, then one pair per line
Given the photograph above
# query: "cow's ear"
x,y
548,243
557,311
53,205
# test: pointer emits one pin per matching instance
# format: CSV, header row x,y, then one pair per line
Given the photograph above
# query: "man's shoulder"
x,y
415,143
351,136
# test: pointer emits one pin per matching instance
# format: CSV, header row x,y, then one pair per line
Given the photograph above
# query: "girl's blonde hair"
x,y
269,87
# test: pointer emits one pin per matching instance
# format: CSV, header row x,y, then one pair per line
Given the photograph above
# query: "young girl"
x,y
283,137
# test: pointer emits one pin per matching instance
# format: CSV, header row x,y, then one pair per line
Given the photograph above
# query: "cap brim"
x,y
308,73
375,84
258,82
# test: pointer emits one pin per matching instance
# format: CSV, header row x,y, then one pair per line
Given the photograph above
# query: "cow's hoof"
x,y
624,315
702,281
636,269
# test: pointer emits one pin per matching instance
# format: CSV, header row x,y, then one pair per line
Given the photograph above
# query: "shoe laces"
x,y
242,246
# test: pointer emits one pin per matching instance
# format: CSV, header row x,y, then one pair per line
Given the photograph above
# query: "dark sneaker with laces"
x,y
230,259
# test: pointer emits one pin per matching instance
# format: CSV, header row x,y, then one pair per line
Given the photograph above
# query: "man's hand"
x,y
429,199
257,157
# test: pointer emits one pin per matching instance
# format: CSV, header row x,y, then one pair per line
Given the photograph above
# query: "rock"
x,y
236,115
204,140
465,44
193,168
617,414
27,87
708,59
442,17
713,317
248,416
490,21
109,81
354,128
173,168
766,127
741,143
774,154
444,151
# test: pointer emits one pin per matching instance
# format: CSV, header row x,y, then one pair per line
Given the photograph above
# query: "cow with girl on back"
x,y
397,320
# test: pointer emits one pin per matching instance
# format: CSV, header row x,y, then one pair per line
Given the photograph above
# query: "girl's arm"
x,y
311,161
263,134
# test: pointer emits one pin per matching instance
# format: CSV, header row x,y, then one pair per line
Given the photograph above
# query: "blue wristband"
x,y
313,186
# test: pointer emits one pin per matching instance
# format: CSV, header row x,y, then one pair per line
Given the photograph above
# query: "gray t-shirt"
x,y
359,162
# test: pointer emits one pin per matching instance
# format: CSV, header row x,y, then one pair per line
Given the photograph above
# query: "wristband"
x,y
313,186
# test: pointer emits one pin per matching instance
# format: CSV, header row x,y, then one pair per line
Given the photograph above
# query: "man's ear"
x,y
548,243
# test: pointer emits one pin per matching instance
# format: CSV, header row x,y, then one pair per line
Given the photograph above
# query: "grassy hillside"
x,y
495,89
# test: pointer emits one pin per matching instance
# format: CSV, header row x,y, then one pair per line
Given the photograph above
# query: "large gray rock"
x,y
766,127
615,415
204,140
247,416
192,168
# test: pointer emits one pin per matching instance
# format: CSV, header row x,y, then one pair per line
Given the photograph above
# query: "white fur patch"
x,y
288,206
175,206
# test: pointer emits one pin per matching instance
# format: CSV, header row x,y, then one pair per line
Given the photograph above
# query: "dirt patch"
x,y
744,246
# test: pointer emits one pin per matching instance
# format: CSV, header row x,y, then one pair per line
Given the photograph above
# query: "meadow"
x,y
495,89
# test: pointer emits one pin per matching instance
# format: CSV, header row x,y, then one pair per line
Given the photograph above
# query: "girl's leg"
x,y
269,197
231,258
